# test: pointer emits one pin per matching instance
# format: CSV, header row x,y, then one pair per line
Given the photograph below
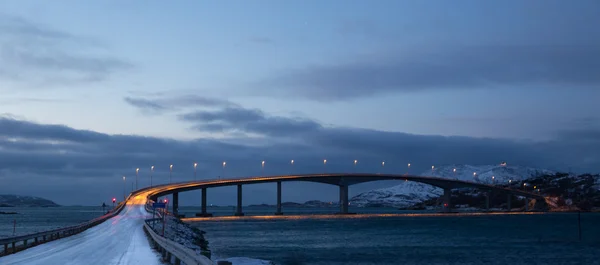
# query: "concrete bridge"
x,y
342,180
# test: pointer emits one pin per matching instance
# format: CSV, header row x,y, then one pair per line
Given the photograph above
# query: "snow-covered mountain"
x,y
409,193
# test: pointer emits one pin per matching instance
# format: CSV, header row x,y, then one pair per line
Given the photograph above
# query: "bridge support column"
x,y
526,204
238,211
343,199
175,204
279,212
204,213
508,201
446,200
487,201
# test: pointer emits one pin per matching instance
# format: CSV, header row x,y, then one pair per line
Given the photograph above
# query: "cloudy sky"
x,y
90,90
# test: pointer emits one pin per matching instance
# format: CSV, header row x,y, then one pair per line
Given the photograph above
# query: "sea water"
x,y
550,238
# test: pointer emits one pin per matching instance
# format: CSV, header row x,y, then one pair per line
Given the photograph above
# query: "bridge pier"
x,y
446,200
279,212
508,201
176,204
526,204
204,213
487,201
238,211
343,199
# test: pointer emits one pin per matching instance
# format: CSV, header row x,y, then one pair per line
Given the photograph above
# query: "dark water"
x,y
33,219
266,210
438,239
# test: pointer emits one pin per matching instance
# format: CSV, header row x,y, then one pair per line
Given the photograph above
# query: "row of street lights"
x,y
224,164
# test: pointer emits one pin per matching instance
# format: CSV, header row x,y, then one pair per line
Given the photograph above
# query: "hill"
x,y
24,201
407,194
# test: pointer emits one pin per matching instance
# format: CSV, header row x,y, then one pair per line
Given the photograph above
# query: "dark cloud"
x,y
480,67
250,121
34,157
35,54
169,103
145,105
582,135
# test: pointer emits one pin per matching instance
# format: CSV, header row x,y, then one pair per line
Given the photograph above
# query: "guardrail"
x,y
19,243
172,251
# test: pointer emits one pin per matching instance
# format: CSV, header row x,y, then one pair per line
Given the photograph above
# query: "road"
x,y
119,240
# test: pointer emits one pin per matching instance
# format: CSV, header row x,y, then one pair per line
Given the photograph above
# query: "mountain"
x,y
410,193
24,201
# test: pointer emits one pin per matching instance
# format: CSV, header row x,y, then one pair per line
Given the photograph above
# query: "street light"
x,y
137,171
493,179
170,173
325,165
195,165
224,164
124,188
408,171
432,168
262,167
151,173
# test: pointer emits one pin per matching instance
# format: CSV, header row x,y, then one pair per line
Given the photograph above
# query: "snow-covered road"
x,y
119,240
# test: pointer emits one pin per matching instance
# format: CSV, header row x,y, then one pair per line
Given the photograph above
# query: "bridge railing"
x,y
15,244
172,251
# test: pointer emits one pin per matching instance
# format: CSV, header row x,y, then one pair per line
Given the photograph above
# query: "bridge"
x,y
342,180
122,240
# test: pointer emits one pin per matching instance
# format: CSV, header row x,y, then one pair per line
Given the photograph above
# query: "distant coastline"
x,y
8,200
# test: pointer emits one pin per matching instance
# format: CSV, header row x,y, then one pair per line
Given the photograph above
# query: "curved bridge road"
x,y
119,240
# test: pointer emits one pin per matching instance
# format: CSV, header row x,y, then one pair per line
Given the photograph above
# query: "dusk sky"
x,y
91,90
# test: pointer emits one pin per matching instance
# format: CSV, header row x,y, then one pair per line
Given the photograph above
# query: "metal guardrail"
x,y
15,244
173,251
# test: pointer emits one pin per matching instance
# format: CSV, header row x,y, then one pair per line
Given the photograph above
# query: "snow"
x,y
179,232
409,193
247,261
119,240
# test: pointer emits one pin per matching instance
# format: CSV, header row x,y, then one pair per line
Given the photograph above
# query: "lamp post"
x,y
151,173
195,166
408,170
475,175
454,171
355,162
382,166
493,180
432,168
224,164
262,168
170,173
124,188
325,165
137,171
292,163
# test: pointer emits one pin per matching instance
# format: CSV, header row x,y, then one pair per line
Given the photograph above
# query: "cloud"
x,y
35,54
162,104
145,105
46,159
234,119
449,68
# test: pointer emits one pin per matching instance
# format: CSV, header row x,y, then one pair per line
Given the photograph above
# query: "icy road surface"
x,y
119,240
